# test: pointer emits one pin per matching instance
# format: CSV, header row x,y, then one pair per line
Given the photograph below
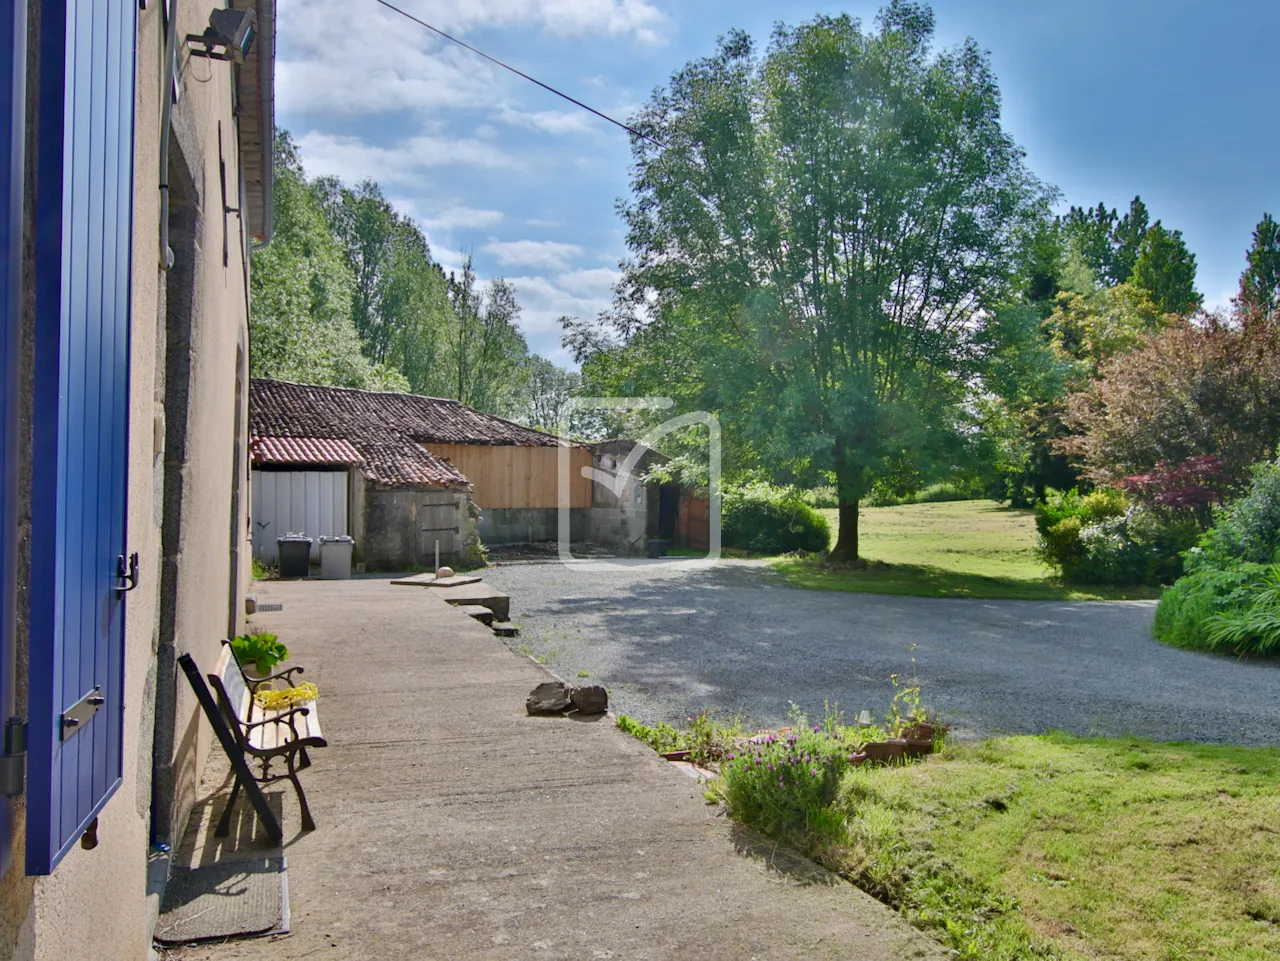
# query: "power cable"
x,y
518,73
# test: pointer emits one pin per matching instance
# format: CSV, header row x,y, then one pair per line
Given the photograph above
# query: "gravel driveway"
x,y
734,638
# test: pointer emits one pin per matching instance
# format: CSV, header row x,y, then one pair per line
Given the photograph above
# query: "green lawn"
x,y
1067,848
952,549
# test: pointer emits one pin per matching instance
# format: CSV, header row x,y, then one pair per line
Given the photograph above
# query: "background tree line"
x,y
347,294
836,247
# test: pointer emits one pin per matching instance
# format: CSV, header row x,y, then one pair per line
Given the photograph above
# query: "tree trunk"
x,y
846,549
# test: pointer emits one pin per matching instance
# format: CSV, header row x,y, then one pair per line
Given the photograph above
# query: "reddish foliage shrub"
x,y
1209,387
1195,484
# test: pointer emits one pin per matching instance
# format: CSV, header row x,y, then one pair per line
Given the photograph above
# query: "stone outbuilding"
x,y
401,472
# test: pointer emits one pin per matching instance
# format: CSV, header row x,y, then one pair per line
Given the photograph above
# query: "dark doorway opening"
x,y
668,512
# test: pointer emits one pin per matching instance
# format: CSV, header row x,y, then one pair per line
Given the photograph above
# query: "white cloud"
x,y
566,18
543,302
550,121
456,217
533,253
452,261
596,283
338,59
1222,301
352,159
375,61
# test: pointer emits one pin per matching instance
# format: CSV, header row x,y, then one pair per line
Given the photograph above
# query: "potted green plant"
x,y
909,721
259,654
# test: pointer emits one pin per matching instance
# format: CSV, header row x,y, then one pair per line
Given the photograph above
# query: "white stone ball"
x,y
445,572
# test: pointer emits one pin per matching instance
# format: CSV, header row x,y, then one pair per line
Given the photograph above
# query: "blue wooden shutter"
x,y
84,208
13,27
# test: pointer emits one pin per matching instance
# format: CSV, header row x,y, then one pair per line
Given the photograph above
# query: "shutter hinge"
x,y
13,763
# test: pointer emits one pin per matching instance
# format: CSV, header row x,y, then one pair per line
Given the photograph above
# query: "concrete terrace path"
x,y
453,826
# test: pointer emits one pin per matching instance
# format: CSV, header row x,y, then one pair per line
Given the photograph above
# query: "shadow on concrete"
x,y
245,841
779,859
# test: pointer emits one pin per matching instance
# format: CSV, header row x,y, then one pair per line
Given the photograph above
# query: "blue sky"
x,y
1169,99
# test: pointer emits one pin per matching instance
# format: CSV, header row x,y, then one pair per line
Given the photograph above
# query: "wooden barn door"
x,y
437,521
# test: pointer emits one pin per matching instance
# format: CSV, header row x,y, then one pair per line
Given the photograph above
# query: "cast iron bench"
x,y
249,733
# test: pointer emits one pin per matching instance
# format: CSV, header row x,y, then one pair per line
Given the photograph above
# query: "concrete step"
x,y
505,629
430,580
479,593
478,611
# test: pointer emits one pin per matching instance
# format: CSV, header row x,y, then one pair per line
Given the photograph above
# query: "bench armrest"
x,y
284,717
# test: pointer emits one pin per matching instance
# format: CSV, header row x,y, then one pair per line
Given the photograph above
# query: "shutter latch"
x,y
127,571
13,763
78,715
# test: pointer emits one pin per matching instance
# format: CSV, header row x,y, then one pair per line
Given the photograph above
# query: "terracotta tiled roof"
x,y
385,428
302,450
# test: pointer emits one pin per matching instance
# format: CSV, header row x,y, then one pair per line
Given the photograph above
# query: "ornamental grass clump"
x,y
784,784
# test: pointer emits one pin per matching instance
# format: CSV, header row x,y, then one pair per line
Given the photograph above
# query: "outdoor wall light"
x,y
232,30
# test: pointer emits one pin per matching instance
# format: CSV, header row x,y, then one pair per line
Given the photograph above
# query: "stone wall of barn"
x,y
399,527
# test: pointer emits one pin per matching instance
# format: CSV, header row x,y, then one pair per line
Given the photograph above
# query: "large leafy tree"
x,y
399,302
821,232
1107,242
300,323
548,390
1260,283
483,354
1166,269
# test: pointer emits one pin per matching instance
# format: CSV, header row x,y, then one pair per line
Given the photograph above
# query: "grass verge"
x,y
1058,847
972,549
1063,847
1035,847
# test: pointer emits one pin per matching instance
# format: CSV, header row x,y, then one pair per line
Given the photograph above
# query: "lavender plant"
x,y
783,784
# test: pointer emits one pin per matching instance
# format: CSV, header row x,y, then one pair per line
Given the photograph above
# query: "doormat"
x,y
234,899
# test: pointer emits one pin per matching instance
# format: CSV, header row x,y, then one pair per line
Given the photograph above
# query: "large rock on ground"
x,y
590,698
549,697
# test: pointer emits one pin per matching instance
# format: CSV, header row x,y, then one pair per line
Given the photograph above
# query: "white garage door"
x,y
307,502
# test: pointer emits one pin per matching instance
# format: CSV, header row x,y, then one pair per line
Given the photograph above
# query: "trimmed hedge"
x,y
771,520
